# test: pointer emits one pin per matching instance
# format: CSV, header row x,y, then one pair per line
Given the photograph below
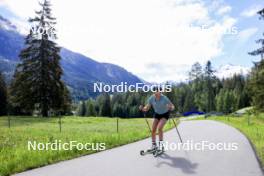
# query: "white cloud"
x,y
228,70
246,34
224,10
251,11
2,2
158,70
136,33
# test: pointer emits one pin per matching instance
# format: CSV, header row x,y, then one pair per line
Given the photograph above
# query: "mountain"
x,y
80,72
7,25
228,70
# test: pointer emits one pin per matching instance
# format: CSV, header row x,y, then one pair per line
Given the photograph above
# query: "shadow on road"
x,y
178,162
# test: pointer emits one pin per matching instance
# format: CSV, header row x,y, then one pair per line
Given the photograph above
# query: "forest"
x,y
203,92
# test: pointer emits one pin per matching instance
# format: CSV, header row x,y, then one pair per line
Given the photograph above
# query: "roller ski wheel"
x,y
149,151
158,152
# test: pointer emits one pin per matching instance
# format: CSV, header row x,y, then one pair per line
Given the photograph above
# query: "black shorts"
x,y
160,116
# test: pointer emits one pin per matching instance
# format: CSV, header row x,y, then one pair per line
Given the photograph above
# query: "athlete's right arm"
x,y
148,104
146,108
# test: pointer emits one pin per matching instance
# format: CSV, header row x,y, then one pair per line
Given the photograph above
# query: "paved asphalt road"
x,y
126,161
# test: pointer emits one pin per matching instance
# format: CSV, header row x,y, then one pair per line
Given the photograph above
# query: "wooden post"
x,y
60,121
248,120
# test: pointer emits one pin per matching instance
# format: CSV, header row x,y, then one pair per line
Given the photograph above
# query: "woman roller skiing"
x,y
162,107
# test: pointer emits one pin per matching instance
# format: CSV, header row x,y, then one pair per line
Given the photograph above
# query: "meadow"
x,y
15,156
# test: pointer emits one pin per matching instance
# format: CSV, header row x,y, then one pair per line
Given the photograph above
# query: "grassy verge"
x,y
253,128
15,156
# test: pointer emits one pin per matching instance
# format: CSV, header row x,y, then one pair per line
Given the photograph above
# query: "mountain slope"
x,y
80,72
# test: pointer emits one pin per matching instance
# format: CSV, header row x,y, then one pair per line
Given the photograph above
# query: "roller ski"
x,y
160,150
153,149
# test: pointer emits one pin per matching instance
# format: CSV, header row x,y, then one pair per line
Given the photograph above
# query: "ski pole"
x,y
147,122
177,130
144,113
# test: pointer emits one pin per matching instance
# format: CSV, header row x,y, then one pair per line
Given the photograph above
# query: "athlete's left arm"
x,y
170,106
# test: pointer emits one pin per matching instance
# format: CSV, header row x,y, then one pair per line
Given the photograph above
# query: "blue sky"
x,y
158,40
236,50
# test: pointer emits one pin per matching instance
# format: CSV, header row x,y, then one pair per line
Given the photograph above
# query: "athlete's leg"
x,y
154,129
161,125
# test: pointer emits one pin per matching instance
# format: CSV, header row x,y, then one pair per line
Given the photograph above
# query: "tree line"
x,y
203,92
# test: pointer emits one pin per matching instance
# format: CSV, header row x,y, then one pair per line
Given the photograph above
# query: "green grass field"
x,y
15,156
253,129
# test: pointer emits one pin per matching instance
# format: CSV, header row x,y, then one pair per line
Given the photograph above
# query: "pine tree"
x,y
3,96
189,101
261,13
196,83
118,110
180,97
196,72
259,51
37,81
257,74
106,106
209,80
66,106
257,85
227,102
90,110
170,94
82,109
220,101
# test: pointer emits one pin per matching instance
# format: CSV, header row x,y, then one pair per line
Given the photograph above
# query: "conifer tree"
x,y
82,109
209,80
257,74
37,81
105,110
90,110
